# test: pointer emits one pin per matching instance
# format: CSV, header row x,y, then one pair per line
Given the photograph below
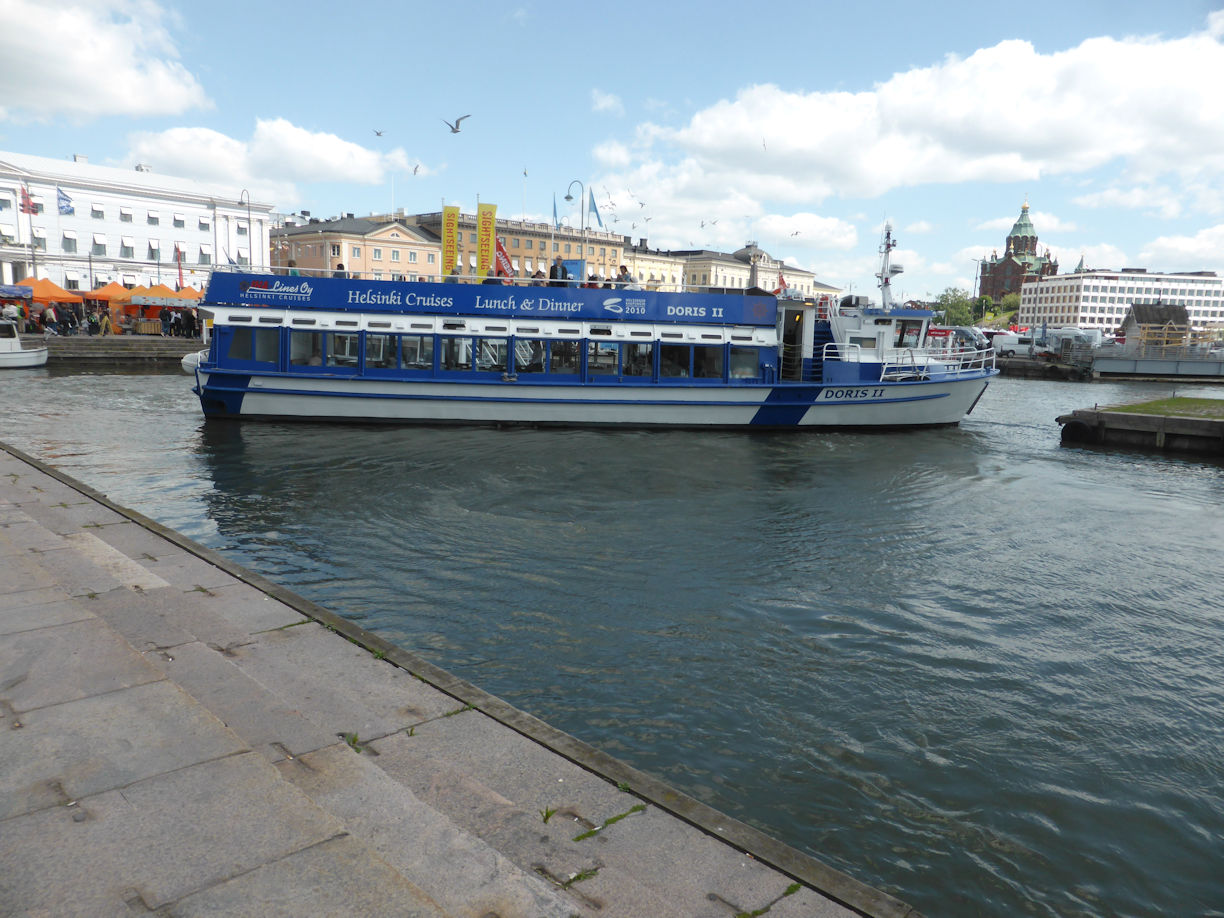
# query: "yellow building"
x,y
372,248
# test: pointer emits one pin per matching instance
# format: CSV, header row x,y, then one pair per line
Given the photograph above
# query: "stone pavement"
x,y
180,737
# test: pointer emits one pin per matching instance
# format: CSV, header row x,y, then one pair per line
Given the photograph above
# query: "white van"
x,y
1018,345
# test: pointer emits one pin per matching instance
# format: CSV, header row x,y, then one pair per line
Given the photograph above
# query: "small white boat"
x,y
11,352
192,360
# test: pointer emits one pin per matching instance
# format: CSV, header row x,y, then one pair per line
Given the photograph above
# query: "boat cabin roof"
x,y
498,301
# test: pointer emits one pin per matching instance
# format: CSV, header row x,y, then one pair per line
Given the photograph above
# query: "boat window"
x,y
603,359
563,357
416,352
638,359
260,345
491,354
455,352
343,350
529,355
267,345
306,349
863,342
708,361
745,363
674,359
908,331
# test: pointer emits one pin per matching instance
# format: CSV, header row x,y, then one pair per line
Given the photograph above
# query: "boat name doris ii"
x,y
328,349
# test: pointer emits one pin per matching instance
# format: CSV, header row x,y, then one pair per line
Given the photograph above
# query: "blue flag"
x,y
556,222
65,202
595,211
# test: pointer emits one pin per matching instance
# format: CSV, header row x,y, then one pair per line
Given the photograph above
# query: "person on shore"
x,y
12,313
164,315
50,322
189,323
104,324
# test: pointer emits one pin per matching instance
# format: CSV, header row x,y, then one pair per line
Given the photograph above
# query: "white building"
x,y
95,224
1101,299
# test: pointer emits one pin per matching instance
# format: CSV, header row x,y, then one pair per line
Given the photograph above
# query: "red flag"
x,y
178,256
781,284
502,260
27,203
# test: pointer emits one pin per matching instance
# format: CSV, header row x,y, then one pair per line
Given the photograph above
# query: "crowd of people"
x,y
76,319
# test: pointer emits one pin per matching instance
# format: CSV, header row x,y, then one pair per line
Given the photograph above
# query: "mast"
x,y
887,269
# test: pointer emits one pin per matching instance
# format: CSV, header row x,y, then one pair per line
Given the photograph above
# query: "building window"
x,y
205,255
99,247
242,228
97,212
70,244
125,215
205,224
154,250
377,254
412,258
395,254
154,218
335,251
126,250
40,240
429,257
356,251
179,221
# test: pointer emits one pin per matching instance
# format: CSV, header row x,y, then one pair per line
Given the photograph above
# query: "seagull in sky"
x,y
416,168
455,127
378,133
795,233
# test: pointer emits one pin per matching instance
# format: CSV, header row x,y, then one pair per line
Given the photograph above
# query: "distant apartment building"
x,y
1102,299
373,248
82,225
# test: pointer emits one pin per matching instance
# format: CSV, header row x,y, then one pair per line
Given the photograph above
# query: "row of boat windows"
x,y
386,354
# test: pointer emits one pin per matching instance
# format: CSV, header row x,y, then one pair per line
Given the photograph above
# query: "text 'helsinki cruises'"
x,y
331,349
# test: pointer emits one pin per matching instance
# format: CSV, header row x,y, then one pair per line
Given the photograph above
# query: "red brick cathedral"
x,y
1020,261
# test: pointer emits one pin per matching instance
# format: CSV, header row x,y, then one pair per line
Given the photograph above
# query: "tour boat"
x,y
325,349
12,354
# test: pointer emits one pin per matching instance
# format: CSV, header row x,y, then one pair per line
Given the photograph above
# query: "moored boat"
x,y
330,349
12,354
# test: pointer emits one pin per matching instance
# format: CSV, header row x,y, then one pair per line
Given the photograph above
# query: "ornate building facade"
x,y
1019,264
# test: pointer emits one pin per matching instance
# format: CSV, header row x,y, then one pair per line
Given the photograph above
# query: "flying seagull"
x,y
416,168
378,133
455,127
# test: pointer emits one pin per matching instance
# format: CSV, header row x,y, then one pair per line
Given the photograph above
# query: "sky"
x,y
804,127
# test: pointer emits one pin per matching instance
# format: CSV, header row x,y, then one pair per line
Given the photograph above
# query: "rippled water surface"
x,y
968,666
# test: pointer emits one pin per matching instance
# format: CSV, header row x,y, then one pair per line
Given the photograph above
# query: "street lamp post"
x,y
245,197
581,218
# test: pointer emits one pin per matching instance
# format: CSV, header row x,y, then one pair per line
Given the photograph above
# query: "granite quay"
x,y
180,736
117,349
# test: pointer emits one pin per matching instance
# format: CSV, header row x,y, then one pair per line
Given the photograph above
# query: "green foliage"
x,y
981,306
954,307
1010,303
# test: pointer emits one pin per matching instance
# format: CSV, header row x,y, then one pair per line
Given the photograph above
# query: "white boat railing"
x,y
916,363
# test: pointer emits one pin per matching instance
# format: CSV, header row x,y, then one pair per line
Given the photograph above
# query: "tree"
x,y
955,307
981,306
1010,304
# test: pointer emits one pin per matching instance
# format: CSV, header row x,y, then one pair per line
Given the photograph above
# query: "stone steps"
x,y
116,348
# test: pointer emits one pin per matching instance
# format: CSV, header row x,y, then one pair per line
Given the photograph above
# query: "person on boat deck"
x,y
592,281
624,278
491,278
340,272
12,313
557,275
453,277
293,269
537,279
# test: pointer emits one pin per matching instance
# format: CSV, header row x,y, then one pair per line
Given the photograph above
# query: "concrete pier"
x,y
1167,433
116,349
179,736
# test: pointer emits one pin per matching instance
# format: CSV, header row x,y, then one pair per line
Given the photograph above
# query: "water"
x,y
969,666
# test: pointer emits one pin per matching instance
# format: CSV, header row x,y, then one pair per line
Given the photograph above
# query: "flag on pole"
x,y
65,202
781,284
502,260
595,211
27,203
178,256
556,222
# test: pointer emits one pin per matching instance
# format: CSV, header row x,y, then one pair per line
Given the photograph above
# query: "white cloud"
x,y
1160,200
86,60
606,102
919,227
278,155
1204,251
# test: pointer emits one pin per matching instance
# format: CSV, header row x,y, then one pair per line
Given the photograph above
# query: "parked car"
x,y
1019,346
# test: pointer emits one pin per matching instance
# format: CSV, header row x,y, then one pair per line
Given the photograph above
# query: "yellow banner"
x,y
486,223
450,238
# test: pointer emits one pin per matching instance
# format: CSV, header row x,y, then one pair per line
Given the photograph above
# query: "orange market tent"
x,y
190,293
110,292
46,291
